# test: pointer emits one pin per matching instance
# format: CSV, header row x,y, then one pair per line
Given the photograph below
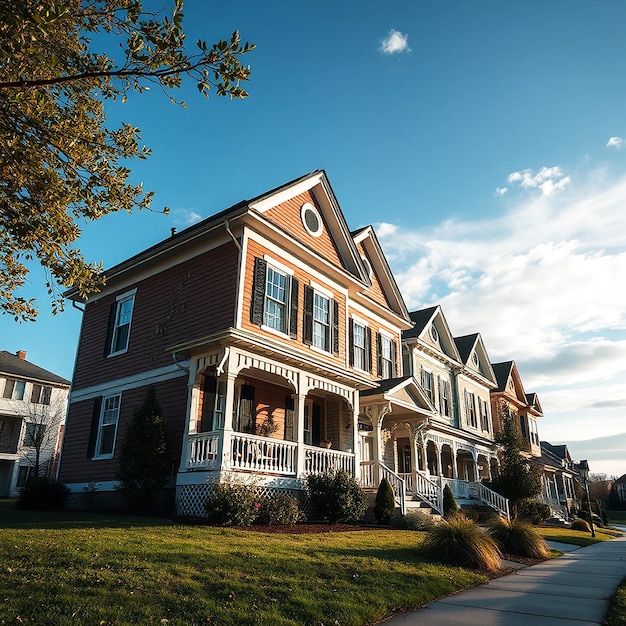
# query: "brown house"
x,y
259,328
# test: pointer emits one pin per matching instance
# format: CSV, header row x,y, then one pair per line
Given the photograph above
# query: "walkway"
x,y
572,590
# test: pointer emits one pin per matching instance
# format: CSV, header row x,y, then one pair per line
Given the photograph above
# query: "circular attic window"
x,y
368,265
475,359
434,335
311,219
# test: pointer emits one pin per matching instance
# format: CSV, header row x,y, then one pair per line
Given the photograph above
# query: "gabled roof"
x,y
468,345
559,451
423,321
12,365
503,372
621,480
368,239
405,392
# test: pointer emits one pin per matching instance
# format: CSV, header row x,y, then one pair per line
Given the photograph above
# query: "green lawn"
x,y
576,537
83,568
617,611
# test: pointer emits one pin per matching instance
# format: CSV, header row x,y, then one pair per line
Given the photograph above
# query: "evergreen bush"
x,y
42,494
450,507
336,497
232,503
279,509
517,537
459,541
385,504
533,511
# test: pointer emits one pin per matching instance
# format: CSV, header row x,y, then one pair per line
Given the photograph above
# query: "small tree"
x,y
144,465
385,503
517,478
450,507
615,504
43,422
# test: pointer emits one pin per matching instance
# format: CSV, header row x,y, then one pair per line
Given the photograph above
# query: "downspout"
x,y
179,366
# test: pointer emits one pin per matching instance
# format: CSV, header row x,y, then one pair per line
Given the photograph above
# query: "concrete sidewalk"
x,y
570,590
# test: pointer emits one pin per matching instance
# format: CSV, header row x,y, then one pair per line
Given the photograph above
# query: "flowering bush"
x,y
232,503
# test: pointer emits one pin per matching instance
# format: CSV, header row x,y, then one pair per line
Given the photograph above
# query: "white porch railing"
x,y
262,454
372,472
429,491
320,460
203,450
555,506
493,499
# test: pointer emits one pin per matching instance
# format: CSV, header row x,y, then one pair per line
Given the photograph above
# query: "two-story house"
x,y
456,443
271,335
33,403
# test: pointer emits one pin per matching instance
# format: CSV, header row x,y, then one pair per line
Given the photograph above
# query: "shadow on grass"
x,y
11,517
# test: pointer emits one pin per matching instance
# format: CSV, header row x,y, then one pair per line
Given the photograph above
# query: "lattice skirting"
x,y
190,499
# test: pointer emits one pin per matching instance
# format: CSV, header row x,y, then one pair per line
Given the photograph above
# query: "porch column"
x,y
229,409
193,390
475,464
299,400
455,467
355,438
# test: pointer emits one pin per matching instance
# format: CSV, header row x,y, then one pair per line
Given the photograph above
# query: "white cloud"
x,y
547,179
615,142
185,217
395,43
541,283
500,191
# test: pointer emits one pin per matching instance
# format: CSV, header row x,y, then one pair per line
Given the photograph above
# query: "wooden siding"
x,y
76,466
375,292
287,216
255,249
190,300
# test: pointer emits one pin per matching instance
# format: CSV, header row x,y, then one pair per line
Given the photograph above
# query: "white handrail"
x,y
493,499
262,454
203,450
429,491
372,472
320,460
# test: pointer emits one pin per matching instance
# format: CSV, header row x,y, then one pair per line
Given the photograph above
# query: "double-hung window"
x,y
34,434
321,321
471,409
274,303
444,395
484,416
358,342
276,292
427,384
14,389
40,394
121,329
107,430
386,356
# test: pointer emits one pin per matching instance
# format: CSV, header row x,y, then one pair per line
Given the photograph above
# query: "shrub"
x,y
459,541
336,497
385,504
517,537
533,511
232,503
43,494
581,524
450,507
413,520
279,509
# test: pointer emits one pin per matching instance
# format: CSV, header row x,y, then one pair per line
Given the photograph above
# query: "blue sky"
x,y
482,139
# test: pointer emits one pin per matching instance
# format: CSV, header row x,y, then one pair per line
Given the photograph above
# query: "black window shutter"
x,y
394,359
293,314
379,355
368,349
110,329
258,291
307,331
335,328
351,340
95,423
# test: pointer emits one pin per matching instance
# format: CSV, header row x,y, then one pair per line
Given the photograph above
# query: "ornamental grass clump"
x,y
581,524
520,538
459,541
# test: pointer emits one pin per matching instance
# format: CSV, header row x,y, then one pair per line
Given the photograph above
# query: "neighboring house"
x,y
271,335
510,394
620,486
33,403
558,473
455,444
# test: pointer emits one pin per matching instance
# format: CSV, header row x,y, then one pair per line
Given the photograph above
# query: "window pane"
x,y
18,393
8,388
321,321
122,324
358,341
275,315
107,438
36,394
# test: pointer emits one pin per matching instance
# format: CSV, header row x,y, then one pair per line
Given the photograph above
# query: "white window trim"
x,y
108,455
329,326
278,265
307,206
322,290
360,322
124,296
289,273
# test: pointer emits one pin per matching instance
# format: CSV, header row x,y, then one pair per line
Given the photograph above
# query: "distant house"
x,y
33,403
558,476
620,487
